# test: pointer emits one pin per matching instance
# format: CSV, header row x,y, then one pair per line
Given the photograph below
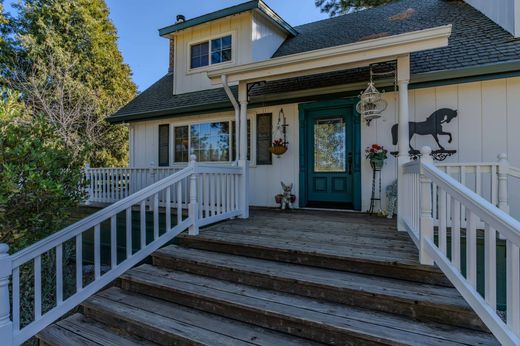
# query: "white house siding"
x,y
505,13
488,124
266,37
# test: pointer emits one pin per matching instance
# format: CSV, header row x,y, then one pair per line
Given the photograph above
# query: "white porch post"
x,y
242,162
403,78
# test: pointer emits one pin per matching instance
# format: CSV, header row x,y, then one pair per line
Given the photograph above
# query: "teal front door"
x,y
331,162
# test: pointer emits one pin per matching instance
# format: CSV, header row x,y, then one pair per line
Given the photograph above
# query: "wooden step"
x,y
77,330
423,302
321,321
344,259
166,323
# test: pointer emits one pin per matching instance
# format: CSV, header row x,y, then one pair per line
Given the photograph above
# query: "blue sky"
x,y
137,22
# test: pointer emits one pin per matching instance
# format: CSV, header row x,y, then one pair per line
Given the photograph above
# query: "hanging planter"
x,y
278,147
280,144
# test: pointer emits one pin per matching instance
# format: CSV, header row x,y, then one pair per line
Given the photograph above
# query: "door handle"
x,y
350,163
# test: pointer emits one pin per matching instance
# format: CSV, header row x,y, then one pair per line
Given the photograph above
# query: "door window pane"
x,y
164,145
181,144
329,145
200,55
221,50
210,141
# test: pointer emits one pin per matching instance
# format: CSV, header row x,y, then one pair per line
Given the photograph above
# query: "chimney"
x,y
505,13
172,55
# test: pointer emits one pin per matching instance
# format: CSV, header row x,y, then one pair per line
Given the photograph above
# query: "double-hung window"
x,y
211,52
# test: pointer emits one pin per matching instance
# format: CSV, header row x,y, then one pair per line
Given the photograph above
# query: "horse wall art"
x,y
431,126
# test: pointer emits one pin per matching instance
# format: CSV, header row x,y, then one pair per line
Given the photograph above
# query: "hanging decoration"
x,y
280,144
372,104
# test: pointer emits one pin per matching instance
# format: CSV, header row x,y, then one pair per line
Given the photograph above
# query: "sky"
x,y
137,22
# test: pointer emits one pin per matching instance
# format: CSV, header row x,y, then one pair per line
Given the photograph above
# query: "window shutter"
x,y
164,145
264,138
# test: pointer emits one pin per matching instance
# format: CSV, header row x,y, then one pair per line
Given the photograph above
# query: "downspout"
x,y
237,115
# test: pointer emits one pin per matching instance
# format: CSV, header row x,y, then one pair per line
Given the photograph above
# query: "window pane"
x,y
210,142
329,145
216,57
181,144
226,42
199,55
226,55
264,138
204,60
216,45
164,145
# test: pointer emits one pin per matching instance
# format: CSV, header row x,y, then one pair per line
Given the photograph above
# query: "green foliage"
x,y
71,47
337,7
39,178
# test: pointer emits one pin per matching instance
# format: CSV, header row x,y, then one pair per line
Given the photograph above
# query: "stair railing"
x,y
210,194
461,210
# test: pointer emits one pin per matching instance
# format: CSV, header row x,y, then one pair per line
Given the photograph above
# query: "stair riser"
x,y
384,303
267,319
131,327
390,270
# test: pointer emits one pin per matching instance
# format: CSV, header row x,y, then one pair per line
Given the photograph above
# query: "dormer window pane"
x,y
221,50
200,55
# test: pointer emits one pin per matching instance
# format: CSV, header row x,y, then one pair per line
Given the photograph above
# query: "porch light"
x,y
371,103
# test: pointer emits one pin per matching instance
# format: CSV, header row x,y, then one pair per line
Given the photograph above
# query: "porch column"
x,y
242,162
403,78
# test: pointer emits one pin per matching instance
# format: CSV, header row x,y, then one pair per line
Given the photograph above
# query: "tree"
x,y
337,7
68,67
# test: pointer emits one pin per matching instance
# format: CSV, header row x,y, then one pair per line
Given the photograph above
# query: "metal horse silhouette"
x,y
431,126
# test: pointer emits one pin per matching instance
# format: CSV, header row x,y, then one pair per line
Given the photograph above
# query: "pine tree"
x,y
337,7
69,65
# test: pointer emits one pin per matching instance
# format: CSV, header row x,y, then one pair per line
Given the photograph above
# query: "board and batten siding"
x,y
266,38
488,124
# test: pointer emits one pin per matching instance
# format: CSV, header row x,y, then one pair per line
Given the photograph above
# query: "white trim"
x,y
210,66
336,58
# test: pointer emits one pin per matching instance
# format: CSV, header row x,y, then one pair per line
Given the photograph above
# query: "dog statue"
x,y
286,196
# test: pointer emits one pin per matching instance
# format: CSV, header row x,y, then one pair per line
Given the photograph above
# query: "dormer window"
x,y
220,48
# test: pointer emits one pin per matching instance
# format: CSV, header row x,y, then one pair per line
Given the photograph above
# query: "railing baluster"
x,y
16,299
37,287
218,193
129,250
471,249
79,262
455,233
156,216
206,195
179,202
59,274
513,286
494,185
168,209
478,180
113,241
490,266
442,221
143,224
97,251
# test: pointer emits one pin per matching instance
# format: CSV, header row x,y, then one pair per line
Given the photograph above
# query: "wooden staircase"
x,y
279,279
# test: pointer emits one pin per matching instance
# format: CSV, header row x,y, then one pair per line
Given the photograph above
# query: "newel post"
x,y
6,325
426,223
503,173
193,207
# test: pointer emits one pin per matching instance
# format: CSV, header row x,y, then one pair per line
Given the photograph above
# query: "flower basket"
x,y
377,155
377,163
278,150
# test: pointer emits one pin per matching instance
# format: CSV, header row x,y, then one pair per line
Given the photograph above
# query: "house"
x,y
250,101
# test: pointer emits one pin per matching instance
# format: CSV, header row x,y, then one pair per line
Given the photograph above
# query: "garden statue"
x,y
286,199
391,199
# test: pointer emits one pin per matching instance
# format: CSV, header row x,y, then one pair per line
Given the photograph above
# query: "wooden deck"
x,y
301,277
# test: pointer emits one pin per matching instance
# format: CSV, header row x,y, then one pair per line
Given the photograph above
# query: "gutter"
x,y
236,106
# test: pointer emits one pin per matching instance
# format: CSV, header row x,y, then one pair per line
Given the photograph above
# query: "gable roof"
x,y
230,11
476,44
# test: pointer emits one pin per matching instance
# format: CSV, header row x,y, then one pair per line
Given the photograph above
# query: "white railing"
x,y
460,212
109,185
209,193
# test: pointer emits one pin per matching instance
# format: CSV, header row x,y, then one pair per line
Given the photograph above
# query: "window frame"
x,y
208,40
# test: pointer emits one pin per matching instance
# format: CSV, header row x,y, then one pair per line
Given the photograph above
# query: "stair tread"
x,y
77,330
373,325
196,326
394,288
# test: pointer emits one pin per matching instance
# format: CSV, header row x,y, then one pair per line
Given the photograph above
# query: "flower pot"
x,y
278,150
377,164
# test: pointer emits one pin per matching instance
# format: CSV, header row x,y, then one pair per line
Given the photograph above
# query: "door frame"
x,y
304,108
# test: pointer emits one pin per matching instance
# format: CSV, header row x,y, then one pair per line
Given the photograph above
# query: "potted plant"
x,y
279,147
377,155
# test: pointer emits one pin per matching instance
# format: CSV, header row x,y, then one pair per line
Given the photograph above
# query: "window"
x,y
264,137
210,141
181,144
164,145
220,48
233,140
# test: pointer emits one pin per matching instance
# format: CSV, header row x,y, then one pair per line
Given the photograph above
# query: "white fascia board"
x,y
336,58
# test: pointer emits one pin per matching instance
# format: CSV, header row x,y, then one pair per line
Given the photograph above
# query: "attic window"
x,y
220,48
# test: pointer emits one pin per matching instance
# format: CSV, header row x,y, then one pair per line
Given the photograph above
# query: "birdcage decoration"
x,y
371,104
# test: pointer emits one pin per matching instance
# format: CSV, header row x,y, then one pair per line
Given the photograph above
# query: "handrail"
x,y
461,210
209,192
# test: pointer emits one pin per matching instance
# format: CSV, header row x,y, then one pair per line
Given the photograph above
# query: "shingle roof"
x,y
476,40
